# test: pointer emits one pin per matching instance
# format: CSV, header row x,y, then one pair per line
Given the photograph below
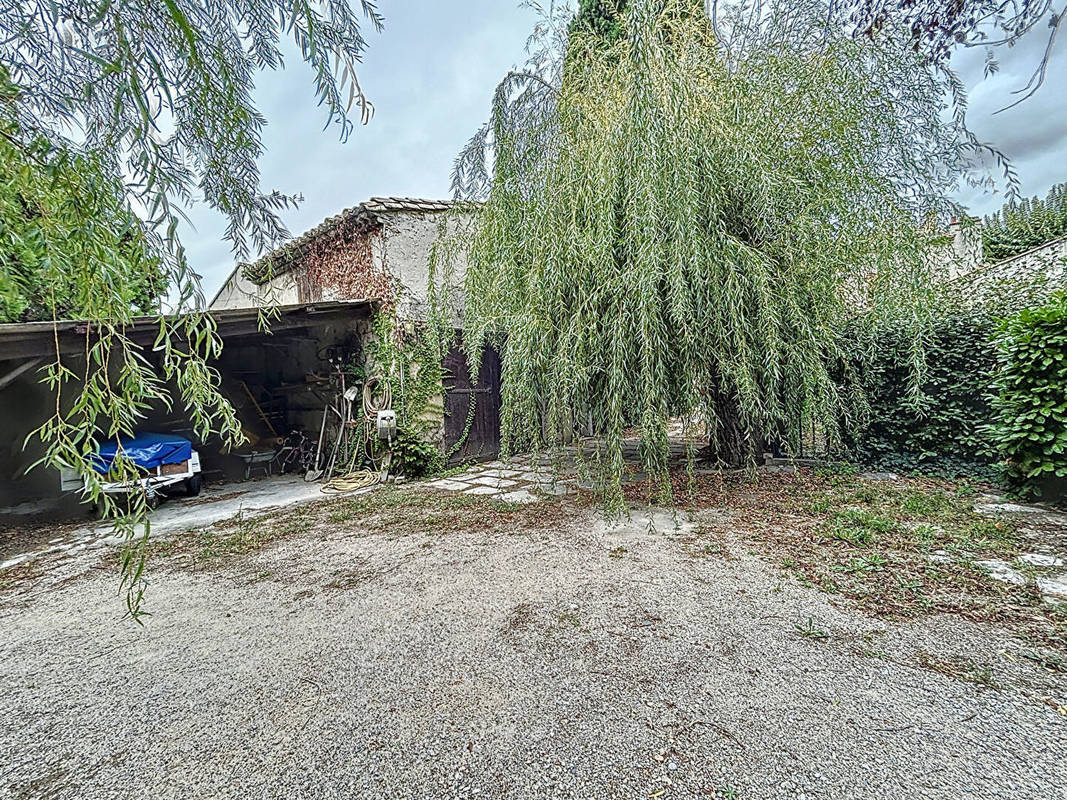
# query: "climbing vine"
x,y
344,266
407,355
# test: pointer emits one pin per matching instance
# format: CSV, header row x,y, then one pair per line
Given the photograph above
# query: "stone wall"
x,y
1022,280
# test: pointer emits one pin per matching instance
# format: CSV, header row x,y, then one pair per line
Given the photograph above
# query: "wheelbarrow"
x,y
258,459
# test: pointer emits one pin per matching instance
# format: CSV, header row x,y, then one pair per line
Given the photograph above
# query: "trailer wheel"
x,y
193,485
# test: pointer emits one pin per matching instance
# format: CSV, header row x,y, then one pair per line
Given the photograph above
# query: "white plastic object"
x,y
386,424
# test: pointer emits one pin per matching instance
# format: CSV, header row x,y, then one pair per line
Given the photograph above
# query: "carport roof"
x,y
36,339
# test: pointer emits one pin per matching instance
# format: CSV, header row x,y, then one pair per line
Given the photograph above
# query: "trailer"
x,y
164,462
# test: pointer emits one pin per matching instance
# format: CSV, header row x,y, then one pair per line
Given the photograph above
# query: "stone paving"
x,y
525,479
522,478
1046,533
519,480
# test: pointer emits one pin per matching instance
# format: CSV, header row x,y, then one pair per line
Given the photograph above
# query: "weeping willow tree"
x,y
679,222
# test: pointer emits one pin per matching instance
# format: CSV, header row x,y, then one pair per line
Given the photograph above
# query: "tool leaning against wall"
x,y
358,439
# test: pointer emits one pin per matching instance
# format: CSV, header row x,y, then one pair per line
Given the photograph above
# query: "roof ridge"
x,y
284,255
412,198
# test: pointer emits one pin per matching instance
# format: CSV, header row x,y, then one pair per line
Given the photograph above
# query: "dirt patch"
x,y
410,511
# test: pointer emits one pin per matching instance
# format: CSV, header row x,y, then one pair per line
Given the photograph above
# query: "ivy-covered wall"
x,y
407,356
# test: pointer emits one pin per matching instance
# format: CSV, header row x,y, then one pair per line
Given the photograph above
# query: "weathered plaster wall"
x,y
236,292
402,248
965,251
1020,279
239,292
409,241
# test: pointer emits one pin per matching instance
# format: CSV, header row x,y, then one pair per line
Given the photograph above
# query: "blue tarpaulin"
x,y
146,450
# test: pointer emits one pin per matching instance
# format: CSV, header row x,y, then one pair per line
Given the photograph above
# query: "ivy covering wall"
x,y
407,356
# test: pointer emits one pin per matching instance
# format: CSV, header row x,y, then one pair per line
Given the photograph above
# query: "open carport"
x,y
277,375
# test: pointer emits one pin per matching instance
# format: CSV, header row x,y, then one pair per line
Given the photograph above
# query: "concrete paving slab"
x,y
502,473
448,484
519,496
496,483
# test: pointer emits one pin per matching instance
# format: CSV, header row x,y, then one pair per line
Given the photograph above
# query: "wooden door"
x,y
481,442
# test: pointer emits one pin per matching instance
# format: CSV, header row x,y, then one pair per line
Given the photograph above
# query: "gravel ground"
x,y
587,661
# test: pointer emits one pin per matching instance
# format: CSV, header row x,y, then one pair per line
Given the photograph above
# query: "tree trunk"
x,y
732,445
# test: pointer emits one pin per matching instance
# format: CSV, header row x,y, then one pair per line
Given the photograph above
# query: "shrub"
x,y
942,431
1029,425
413,456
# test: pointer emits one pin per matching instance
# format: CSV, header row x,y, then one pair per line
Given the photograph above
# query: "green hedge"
x,y
943,431
1030,407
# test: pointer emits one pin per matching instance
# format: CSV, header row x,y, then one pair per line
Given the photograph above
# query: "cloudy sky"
x,y
432,71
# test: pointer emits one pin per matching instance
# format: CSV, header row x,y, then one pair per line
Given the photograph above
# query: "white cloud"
x,y
1033,134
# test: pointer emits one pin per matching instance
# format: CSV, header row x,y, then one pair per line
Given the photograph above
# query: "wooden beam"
x,y
12,374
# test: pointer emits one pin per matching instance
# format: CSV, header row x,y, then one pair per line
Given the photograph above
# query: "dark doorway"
x,y
482,441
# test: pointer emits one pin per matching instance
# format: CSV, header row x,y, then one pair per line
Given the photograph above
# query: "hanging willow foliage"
x,y
677,224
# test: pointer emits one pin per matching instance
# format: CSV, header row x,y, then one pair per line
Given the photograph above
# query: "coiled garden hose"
x,y
353,481
365,478
370,408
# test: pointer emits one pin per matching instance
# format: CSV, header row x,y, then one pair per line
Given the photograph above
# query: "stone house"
x,y
380,249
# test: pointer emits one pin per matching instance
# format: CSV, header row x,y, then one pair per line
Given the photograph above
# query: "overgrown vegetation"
x,y
652,252
939,426
409,357
62,218
1030,405
601,19
145,106
414,456
899,549
1024,224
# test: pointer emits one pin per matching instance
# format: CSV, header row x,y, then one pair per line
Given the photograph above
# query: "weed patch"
x,y
898,548
391,511
960,668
